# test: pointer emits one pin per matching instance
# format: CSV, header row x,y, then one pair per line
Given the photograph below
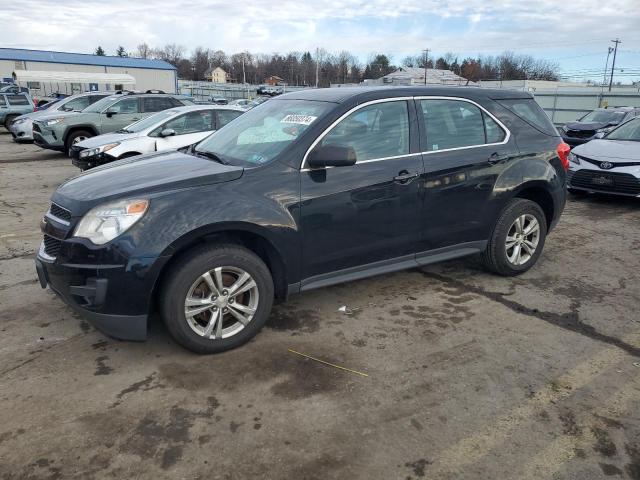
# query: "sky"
x,y
575,34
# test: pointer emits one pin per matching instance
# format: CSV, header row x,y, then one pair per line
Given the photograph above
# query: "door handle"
x,y
405,177
135,119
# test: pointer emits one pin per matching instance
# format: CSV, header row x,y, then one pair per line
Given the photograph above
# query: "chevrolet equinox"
x,y
310,189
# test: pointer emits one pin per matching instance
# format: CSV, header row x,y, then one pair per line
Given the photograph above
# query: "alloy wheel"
x,y
522,239
221,302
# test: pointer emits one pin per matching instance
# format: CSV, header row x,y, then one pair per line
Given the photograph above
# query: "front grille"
x,y
59,212
51,246
615,164
622,182
581,133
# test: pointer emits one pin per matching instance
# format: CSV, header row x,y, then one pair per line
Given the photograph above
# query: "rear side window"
x,y
529,111
495,134
377,131
156,104
17,100
225,116
452,124
126,105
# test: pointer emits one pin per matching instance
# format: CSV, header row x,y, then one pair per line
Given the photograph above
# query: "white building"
x,y
415,76
95,72
216,75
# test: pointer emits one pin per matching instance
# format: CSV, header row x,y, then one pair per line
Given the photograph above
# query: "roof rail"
x,y
154,91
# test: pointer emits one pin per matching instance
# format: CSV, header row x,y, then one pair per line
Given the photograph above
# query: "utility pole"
x,y
317,65
604,79
426,59
613,64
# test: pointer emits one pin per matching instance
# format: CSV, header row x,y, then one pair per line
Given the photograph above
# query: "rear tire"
x,y
517,239
205,281
76,137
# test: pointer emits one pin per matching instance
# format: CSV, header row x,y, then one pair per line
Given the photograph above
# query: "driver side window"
x,y
377,131
192,122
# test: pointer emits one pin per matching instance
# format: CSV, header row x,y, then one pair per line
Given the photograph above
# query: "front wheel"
x,y
217,298
518,238
76,137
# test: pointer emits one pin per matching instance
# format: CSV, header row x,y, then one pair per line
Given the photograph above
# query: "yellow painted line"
x,y
328,363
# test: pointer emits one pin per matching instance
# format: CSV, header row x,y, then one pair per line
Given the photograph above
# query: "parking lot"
x,y
470,376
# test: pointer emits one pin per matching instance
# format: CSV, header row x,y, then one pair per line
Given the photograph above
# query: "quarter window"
x,y
377,131
495,134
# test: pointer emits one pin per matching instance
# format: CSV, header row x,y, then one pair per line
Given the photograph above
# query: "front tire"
x,y
216,298
76,137
8,120
517,239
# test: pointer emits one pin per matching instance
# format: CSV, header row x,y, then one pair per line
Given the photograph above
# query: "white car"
x,y
166,130
610,164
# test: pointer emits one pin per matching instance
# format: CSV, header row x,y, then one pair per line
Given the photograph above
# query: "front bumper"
x,y
22,132
47,138
86,163
86,289
604,181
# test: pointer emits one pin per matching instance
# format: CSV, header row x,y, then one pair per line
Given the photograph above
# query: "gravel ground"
x,y
470,376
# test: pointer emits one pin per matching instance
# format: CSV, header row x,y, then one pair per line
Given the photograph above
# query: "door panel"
x,y
369,212
463,156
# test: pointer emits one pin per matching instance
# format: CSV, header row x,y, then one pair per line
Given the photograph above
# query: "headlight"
x,y
573,158
53,121
90,152
105,222
19,121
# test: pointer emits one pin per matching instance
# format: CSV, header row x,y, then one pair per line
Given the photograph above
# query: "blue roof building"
x,y
148,73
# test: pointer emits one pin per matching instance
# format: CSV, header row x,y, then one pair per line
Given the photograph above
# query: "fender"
x,y
73,128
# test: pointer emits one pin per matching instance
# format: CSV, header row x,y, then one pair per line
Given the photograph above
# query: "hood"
x,y
106,138
47,115
588,125
139,177
621,150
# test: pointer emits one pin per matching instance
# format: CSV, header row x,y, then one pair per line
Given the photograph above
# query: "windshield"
x,y
257,136
149,121
100,105
628,131
603,116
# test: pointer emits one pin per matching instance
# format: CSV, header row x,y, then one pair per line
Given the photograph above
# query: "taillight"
x,y
563,154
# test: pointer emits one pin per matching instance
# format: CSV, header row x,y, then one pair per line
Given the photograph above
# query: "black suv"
x,y
311,189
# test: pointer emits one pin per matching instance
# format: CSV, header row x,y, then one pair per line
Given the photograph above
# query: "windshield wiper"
x,y
209,155
123,130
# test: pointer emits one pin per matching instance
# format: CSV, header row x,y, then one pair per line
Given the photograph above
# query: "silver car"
x,y
22,127
610,164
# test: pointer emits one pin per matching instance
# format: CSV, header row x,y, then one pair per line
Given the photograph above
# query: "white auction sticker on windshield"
x,y
299,119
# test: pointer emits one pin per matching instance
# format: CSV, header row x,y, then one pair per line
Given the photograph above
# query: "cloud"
x,y
400,27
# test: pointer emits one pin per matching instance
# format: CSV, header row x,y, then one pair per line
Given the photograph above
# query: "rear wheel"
x,y
76,137
518,238
217,298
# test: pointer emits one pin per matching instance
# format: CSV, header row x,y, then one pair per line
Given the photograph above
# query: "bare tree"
x,y
143,51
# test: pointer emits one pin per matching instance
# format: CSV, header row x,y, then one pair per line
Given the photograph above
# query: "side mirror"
x,y
167,132
111,112
332,156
